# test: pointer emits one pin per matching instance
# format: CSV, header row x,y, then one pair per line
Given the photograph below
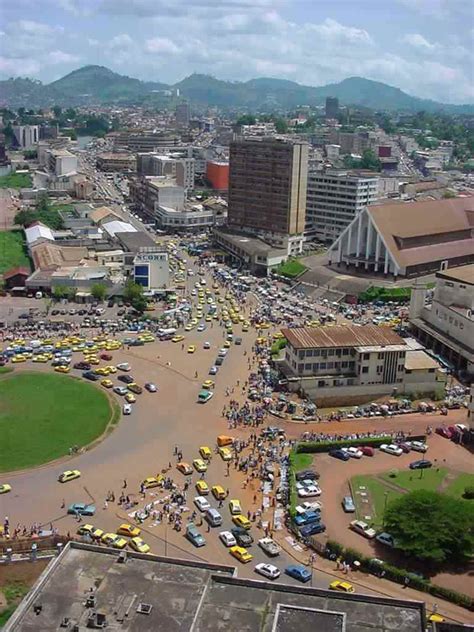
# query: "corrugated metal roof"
x,y
341,336
38,231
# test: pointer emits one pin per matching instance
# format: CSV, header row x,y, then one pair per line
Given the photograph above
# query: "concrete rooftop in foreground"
x,y
193,596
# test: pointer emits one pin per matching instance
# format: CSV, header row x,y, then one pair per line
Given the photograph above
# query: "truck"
x,y
166,332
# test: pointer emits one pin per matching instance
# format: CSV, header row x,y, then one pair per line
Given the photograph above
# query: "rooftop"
x,y
148,593
342,336
135,240
117,226
418,360
464,274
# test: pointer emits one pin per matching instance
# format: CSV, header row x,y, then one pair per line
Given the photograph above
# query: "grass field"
x,y
457,487
12,250
15,181
291,268
302,461
42,415
372,493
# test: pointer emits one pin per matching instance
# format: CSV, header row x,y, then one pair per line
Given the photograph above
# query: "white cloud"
x,y
11,67
161,45
419,42
121,41
60,57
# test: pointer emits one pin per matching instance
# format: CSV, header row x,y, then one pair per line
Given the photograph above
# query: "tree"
x,y
71,293
370,160
432,527
246,119
134,293
57,111
139,304
281,126
98,291
59,292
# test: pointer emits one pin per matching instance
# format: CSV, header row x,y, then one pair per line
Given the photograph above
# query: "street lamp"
x,y
384,507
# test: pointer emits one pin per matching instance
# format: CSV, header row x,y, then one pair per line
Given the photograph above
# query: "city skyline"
x,y
423,47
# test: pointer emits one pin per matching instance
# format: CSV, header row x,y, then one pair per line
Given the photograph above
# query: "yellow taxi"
x,y
242,521
218,492
68,475
130,398
188,327
191,348
200,465
107,383
110,368
202,488
138,545
208,318
5,488
278,336
92,360
89,529
103,370
208,384
129,530
18,358
62,369
114,540
235,507
205,452
240,554
152,481
40,358
178,338
226,454
341,586
227,344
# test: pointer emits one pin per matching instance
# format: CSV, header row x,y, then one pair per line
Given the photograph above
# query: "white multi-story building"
x,y
26,136
334,198
447,324
194,218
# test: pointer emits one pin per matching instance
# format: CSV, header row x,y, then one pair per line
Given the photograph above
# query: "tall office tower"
x,y
182,114
267,190
332,107
334,197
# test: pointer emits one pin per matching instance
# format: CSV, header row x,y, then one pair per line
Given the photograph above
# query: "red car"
x,y
444,432
367,450
405,447
106,356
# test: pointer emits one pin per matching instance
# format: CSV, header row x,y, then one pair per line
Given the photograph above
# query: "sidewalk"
x,y
382,587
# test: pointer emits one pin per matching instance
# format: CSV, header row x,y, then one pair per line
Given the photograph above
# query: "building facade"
x,y
26,136
182,115
147,193
217,173
267,190
116,161
151,269
332,107
334,198
446,325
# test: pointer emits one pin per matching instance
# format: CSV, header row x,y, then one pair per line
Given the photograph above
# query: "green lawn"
x,y
302,461
376,487
291,268
457,487
375,491
412,480
42,415
16,181
12,250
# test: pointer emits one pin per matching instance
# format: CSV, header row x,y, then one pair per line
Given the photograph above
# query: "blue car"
x,y
422,464
299,572
312,529
194,536
82,509
307,517
339,454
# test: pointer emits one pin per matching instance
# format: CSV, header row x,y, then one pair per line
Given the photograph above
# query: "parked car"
x,y
367,450
194,536
348,504
299,572
83,509
418,446
307,474
339,454
270,547
242,536
444,432
267,570
202,503
307,518
363,529
150,387
353,452
312,529
126,379
227,538
421,464
386,539
127,409
391,449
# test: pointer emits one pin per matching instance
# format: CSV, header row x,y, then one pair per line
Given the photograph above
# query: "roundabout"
x,y
42,416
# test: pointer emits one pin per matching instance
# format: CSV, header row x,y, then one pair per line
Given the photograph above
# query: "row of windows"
x,y
310,353
323,366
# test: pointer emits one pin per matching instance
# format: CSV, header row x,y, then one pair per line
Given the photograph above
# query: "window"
x,y
330,365
344,365
429,371
401,367
331,352
322,365
380,356
307,367
380,369
345,352
300,368
322,383
366,356
316,352
408,371
365,369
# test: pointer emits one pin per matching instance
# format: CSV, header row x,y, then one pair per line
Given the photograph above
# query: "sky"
x,y
424,47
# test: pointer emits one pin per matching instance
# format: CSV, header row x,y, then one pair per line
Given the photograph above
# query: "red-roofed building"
x,y
16,277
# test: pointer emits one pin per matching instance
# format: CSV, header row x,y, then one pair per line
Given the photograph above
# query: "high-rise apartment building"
x,y
334,197
182,114
267,190
332,107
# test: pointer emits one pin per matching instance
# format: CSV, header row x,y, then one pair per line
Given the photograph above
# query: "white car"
x,y
308,506
201,327
418,446
363,528
127,409
309,492
270,547
227,538
391,449
206,345
124,366
354,452
267,570
202,503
